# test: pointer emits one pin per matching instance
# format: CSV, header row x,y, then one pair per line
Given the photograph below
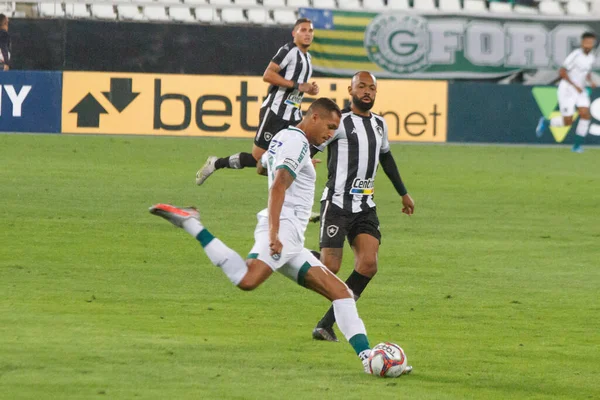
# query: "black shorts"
x,y
337,224
268,126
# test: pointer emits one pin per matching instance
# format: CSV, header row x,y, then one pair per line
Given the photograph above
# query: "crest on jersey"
x,y
268,136
379,130
332,230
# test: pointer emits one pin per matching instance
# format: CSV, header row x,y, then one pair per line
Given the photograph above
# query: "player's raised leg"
x,y
566,100
247,275
234,161
269,125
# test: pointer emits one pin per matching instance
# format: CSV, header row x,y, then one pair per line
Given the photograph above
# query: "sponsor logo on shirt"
x,y
303,152
291,163
294,99
363,187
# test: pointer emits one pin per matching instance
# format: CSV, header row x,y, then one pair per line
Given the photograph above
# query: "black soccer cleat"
x,y
327,334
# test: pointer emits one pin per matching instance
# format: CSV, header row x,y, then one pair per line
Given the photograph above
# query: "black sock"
x,y
357,283
236,161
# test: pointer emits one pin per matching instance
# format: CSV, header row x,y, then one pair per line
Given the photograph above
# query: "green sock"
x,y
359,343
579,140
204,237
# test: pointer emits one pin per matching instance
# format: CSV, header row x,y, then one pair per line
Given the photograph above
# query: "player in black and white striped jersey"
x,y
288,74
347,207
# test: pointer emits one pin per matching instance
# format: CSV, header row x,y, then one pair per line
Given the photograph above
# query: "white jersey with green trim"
x,y
289,150
578,66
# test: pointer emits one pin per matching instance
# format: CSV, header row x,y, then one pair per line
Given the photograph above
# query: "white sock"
x,y
557,121
192,226
582,127
346,316
230,262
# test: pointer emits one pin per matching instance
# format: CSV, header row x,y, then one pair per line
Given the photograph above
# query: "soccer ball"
x,y
387,360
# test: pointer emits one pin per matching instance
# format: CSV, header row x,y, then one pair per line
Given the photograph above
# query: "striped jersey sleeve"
x,y
282,54
385,144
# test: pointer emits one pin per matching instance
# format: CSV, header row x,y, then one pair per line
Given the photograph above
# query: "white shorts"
x,y
569,99
294,260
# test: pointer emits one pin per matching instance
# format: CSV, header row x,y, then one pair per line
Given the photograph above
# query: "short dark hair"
x,y
587,35
301,21
323,105
3,19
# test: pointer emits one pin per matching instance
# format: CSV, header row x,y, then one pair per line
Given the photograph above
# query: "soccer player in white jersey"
x,y
279,234
575,73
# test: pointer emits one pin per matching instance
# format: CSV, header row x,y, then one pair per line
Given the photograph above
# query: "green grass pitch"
x,y
491,287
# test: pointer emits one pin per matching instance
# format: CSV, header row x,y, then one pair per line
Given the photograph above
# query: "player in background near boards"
x,y
575,73
288,74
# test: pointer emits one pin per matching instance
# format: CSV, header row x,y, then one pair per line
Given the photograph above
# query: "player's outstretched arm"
x,y
283,180
391,170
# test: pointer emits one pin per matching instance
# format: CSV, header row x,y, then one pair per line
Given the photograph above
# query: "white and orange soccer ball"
x,y
387,360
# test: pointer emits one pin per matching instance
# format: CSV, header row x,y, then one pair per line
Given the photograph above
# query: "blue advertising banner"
x,y
491,113
30,101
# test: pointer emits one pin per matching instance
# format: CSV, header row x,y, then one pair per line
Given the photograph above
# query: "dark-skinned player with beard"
x,y
348,211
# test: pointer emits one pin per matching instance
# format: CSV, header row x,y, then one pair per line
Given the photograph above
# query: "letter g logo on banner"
x,y
398,42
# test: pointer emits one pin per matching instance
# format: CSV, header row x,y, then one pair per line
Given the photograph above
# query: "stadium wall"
x,y
30,101
227,106
78,45
491,113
